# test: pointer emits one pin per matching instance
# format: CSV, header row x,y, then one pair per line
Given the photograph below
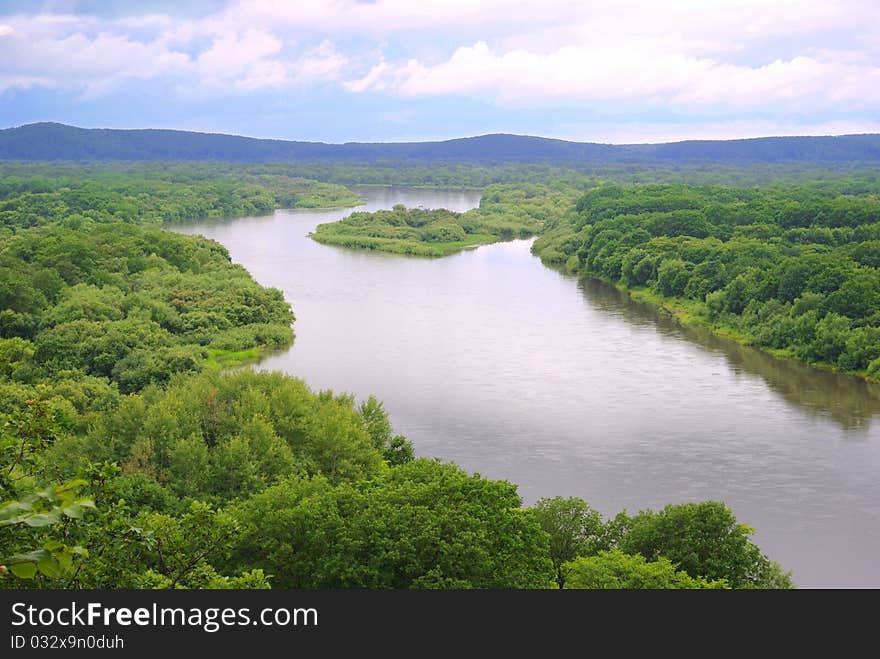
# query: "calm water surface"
x,y
510,369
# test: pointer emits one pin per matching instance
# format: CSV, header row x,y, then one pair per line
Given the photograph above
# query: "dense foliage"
x,y
616,570
405,231
842,177
76,196
575,530
702,539
85,311
217,438
505,212
698,545
419,525
791,269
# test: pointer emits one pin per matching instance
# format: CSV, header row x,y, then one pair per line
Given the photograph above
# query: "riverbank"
x,y
694,314
230,359
406,247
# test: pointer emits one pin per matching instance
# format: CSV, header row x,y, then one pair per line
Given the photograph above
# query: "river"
x,y
489,359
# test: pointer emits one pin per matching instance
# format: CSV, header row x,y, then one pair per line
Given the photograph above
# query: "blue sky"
x,y
617,71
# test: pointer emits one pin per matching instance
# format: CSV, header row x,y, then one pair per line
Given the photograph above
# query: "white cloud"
x,y
631,71
373,79
234,57
685,55
320,64
93,57
256,59
79,62
750,18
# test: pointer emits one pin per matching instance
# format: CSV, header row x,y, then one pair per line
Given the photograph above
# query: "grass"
x,y
226,359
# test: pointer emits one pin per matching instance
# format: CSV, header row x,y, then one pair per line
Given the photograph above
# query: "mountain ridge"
x,y
56,141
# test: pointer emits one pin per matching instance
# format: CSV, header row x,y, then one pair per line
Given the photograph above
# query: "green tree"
x,y
394,448
672,277
422,524
703,539
615,570
574,528
34,515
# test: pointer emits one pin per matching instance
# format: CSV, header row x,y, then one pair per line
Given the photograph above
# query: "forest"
x,y
77,195
53,141
793,270
132,456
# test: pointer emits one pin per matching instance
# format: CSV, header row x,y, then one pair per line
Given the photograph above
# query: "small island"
x,y
421,232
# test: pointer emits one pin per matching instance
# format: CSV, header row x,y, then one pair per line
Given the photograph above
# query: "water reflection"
x,y
489,359
849,401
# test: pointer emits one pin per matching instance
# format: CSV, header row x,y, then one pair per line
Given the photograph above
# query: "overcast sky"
x,y
616,71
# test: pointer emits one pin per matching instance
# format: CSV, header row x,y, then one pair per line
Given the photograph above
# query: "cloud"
x,y
82,63
749,19
373,79
238,57
256,59
94,57
320,64
631,71
315,66
727,58
383,15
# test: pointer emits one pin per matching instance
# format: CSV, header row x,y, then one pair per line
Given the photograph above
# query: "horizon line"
x,y
437,141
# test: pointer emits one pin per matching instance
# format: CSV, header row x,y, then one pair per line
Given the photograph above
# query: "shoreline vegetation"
x,y
505,212
131,459
793,271
37,194
689,315
414,231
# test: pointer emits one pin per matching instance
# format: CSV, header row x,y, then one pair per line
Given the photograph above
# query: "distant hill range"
x,y
52,141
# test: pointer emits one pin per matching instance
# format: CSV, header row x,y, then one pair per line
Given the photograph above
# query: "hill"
x,y
53,141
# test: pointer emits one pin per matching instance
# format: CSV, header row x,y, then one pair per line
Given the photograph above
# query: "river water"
x,y
489,359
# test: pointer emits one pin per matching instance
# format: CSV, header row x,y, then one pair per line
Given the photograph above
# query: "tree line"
x,y
790,269
82,195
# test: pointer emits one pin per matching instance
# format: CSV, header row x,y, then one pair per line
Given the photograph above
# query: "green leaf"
x,y
74,511
47,493
53,545
14,509
70,485
30,557
43,519
24,570
65,560
49,567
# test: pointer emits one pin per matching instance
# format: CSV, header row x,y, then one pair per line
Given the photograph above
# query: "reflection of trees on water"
x,y
849,401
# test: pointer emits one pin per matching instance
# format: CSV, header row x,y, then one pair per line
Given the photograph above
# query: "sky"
x,y
610,71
